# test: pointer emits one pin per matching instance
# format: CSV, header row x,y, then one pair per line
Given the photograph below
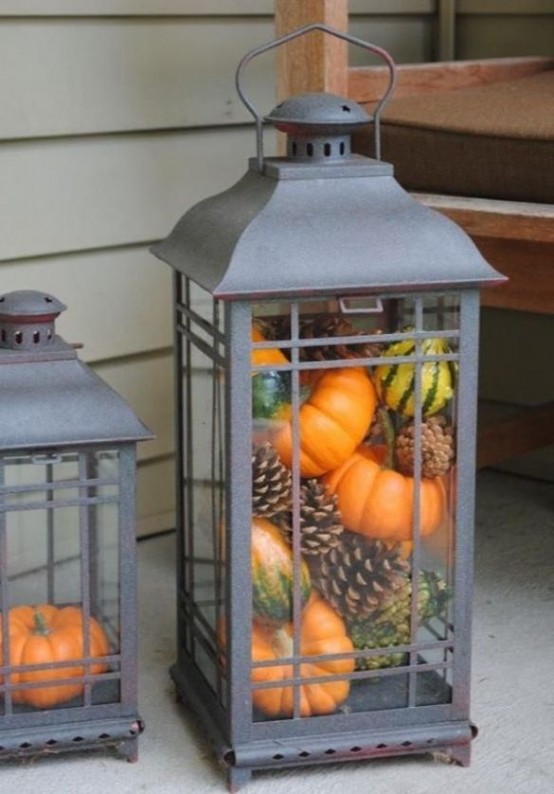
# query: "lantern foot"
x,y
460,755
128,749
237,777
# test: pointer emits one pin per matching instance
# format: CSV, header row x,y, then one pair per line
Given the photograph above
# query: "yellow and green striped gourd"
x,y
395,383
272,574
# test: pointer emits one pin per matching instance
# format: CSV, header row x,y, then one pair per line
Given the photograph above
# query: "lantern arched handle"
x,y
270,45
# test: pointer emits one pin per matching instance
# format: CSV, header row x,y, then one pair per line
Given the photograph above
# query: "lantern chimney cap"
x,y
318,113
29,305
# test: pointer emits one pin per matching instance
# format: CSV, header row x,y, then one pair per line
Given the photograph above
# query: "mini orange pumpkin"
x,y
322,632
41,635
333,421
268,355
378,502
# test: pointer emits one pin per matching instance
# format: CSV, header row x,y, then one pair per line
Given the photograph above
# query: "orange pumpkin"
x,y
263,356
333,421
378,502
41,635
322,632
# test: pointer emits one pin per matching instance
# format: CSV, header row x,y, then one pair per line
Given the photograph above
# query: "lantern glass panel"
x,y
201,393
59,530
354,405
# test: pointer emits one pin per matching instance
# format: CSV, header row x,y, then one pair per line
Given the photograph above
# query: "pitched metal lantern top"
x,y
28,305
48,398
320,220
325,113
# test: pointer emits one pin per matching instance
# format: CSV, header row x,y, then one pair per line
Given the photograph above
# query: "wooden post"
x,y
306,64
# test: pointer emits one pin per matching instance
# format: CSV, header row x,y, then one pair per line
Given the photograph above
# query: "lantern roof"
x,y
297,227
320,220
48,397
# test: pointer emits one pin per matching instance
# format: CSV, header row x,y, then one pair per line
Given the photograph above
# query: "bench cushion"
x,y
492,141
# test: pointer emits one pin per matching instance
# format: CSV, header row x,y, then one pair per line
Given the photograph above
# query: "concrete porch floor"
x,y
512,697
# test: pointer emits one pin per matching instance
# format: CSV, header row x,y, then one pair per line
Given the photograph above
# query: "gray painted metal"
x,y
48,397
283,230
326,114
121,733
242,742
26,304
329,225
339,34
109,718
271,236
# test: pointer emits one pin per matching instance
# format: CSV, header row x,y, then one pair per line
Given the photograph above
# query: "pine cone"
x,y
329,326
320,522
359,576
271,482
273,327
437,447
321,327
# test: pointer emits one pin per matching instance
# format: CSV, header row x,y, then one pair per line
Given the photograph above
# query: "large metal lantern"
x,y
326,363
68,656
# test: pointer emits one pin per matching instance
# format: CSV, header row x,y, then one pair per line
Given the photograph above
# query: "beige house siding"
x,y
117,115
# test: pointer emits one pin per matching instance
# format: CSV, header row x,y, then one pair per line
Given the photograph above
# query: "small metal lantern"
x,y
68,655
326,367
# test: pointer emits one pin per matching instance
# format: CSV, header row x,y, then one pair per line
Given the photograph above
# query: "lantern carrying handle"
x,y
270,45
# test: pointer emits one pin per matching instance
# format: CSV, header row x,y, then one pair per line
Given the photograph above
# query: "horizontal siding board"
x,y
161,74
132,316
74,77
147,386
71,195
409,40
505,7
158,8
499,37
150,8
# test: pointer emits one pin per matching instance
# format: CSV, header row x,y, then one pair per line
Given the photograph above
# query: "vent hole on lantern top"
x,y
327,150
36,337
18,337
310,149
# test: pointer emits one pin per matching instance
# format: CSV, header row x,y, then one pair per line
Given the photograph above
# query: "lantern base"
x,y
120,734
448,741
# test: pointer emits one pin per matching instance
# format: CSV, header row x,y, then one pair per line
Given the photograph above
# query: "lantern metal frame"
x,y
76,438
276,238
